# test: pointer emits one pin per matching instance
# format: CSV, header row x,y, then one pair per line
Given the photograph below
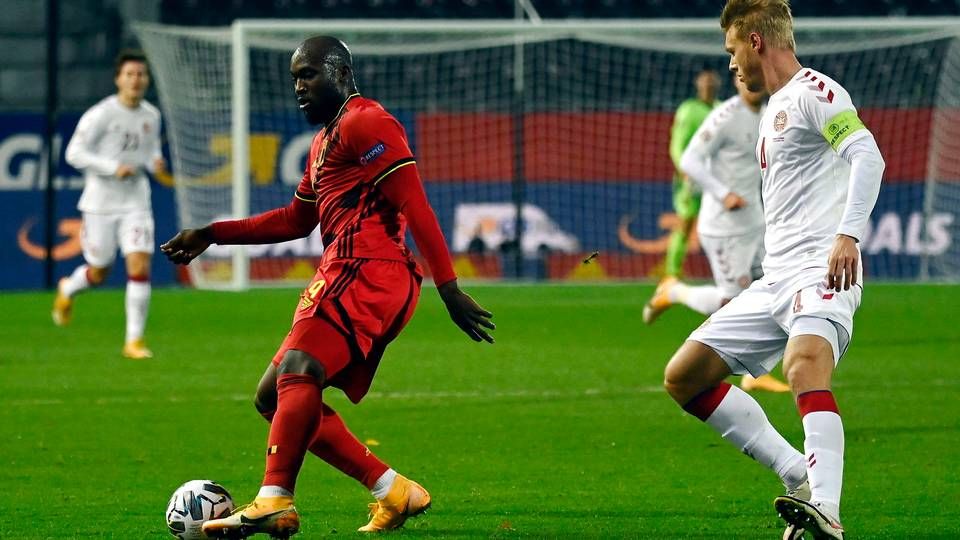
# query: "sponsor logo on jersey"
x,y
780,121
373,153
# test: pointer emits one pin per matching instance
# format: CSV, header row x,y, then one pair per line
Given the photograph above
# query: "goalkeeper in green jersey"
x,y
690,114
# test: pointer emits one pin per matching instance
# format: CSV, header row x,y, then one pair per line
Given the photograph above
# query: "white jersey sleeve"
x,y
157,151
81,151
834,114
695,161
721,159
830,110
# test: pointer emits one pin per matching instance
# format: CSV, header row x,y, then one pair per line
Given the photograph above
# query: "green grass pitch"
x,y
559,430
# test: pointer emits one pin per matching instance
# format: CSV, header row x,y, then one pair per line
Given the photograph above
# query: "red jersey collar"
x,y
344,106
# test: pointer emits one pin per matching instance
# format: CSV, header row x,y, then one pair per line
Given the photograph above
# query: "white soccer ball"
x,y
192,504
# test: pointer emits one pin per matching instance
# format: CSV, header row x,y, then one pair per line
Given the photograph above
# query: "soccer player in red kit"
x,y
362,188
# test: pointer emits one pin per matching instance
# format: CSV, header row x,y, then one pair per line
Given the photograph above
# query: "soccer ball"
x,y
192,504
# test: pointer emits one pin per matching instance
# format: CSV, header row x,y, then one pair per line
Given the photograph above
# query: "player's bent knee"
x,y
806,371
138,264
265,402
300,363
96,276
694,368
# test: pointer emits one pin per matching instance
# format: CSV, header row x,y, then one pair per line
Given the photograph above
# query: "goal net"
x,y
540,144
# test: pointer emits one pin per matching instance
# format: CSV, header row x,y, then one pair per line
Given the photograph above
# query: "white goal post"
x,y
549,134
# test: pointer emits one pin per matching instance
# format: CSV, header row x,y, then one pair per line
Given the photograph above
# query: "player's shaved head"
x,y
326,49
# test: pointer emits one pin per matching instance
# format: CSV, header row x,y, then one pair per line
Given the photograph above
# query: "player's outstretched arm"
x,y
293,221
404,190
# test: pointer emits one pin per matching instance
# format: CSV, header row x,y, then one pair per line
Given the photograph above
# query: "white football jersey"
x,y
727,141
110,134
806,125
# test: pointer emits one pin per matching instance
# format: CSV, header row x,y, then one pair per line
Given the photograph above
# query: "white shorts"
x,y
750,333
734,260
103,233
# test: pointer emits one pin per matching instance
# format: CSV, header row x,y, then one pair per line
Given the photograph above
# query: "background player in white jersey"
x,y
821,172
721,160
115,142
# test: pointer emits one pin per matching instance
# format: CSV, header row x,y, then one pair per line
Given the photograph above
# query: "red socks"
x,y
816,401
298,415
332,441
337,446
704,403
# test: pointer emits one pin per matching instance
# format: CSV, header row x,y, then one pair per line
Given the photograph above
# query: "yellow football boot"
x,y
275,516
137,350
62,306
660,300
765,383
406,499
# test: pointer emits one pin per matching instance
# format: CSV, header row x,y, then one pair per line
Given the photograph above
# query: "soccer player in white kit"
x,y
721,160
821,171
115,142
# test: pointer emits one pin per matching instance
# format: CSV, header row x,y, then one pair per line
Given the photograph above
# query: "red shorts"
x,y
348,314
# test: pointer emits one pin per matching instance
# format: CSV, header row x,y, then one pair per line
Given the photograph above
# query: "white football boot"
x,y
793,532
809,516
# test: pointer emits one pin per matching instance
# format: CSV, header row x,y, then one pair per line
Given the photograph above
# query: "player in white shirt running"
x,y
821,171
115,142
721,160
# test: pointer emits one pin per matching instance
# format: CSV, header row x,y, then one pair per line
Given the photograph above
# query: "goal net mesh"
x,y
568,124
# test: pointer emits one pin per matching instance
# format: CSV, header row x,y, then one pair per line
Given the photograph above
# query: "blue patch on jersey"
x,y
373,153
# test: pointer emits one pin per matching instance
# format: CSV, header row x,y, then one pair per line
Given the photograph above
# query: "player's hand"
x,y
187,245
843,264
466,313
125,171
733,201
159,166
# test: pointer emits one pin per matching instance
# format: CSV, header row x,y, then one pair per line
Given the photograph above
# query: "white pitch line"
x,y
398,396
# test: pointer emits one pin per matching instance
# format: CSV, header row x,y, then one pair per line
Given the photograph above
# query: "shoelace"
x,y
373,508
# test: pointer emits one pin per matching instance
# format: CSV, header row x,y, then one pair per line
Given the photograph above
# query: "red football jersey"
x,y
361,146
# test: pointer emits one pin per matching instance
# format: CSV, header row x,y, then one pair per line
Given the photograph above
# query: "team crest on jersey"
x,y
706,135
373,153
146,127
780,121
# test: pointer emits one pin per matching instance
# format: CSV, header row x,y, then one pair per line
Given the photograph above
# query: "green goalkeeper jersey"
x,y
690,114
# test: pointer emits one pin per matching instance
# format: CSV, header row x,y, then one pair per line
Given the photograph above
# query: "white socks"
x,y
76,282
273,491
739,419
137,303
704,299
824,447
382,487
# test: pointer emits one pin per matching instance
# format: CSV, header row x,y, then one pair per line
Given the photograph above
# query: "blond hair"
x,y
769,18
